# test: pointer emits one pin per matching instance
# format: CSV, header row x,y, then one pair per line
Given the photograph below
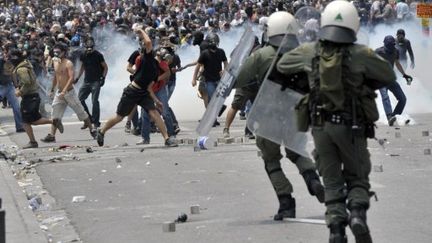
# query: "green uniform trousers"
x,y
271,155
344,163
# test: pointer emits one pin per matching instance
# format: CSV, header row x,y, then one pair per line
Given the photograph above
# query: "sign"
x,y
424,10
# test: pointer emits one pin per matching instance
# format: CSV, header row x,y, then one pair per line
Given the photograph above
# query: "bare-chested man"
x,y
65,95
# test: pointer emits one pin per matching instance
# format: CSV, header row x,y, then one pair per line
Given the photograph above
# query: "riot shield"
x,y
309,20
240,53
273,117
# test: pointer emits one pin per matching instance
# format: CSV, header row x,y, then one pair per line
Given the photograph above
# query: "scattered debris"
x,y
64,146
378,168
35,203
425,133
175,163
78,199
103,171
142,150
118,160
427,152
195,209
394,155
119,167
110,181
89,150
125,145
181,218
168,227
397,134
148,163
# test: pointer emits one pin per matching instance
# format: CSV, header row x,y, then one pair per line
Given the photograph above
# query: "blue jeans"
x,y
171,86
162,95
8,91
397,91
92,88
211,88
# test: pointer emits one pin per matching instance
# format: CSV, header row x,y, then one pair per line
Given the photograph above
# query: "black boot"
x,y
286,208
337,233
359,226
314,185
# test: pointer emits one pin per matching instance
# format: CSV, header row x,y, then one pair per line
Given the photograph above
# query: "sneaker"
x,y
59,125
48,139
171,142
407,121
242,117
84,126
142,142
250,135
93,133
100,138
31,144
226,132
128,127
177,130
392,120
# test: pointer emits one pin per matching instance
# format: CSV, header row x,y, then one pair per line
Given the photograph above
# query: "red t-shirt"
x,y
158,85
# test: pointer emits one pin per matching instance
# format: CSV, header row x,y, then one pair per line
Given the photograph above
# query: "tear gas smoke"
x,y
188,106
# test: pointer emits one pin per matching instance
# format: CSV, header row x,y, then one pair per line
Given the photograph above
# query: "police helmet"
x,y
339,22
279,24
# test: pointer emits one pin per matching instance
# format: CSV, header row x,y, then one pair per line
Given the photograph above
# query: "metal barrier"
x,y
2,224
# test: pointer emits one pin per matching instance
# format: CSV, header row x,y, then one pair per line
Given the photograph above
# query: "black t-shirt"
x,y
147,71
212,61
174,64
132,57
92,62
390,57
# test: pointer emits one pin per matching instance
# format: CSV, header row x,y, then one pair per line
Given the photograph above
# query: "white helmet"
x,y
339,22
279,24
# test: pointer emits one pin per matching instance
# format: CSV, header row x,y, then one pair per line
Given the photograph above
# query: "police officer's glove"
x,y
408,78
102,81
131,78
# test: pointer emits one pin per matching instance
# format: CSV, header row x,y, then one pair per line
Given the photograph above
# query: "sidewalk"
x,y
21,223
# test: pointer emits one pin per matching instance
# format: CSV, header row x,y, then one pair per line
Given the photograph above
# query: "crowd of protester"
x,y
34,27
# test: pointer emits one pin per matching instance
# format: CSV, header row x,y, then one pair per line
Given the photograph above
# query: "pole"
x,y
2,224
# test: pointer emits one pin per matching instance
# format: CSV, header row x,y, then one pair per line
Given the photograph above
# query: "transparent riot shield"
x,y
273,117
309,19
240,53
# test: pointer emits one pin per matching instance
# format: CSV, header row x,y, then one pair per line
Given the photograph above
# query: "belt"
x,y
338,118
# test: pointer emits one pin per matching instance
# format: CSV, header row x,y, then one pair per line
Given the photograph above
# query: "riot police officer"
x,y
254,70
340,107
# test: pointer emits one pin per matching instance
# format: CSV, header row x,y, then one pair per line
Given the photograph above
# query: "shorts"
x,y
134,96
30,108
70,99
241,97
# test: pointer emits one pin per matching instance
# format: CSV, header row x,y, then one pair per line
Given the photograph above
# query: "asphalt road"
x,y
132,190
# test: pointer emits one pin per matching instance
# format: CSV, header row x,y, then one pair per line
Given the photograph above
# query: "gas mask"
x,y
57,54
389,44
